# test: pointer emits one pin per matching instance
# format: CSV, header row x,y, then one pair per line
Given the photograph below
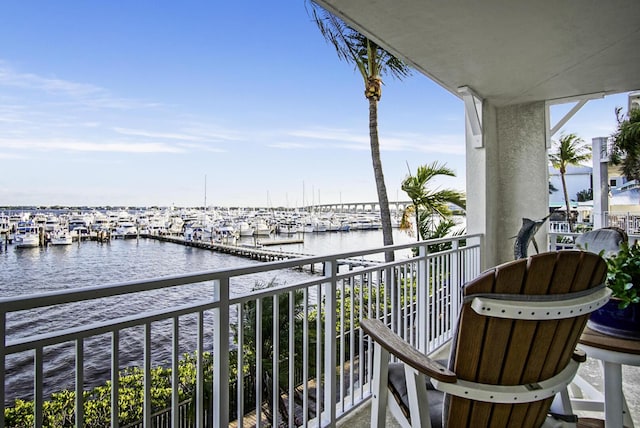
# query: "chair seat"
x,y
398,388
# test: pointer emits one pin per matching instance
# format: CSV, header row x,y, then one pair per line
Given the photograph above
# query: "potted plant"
x,y
620,317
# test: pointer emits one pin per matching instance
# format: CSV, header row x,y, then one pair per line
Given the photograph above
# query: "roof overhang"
x,y
508,52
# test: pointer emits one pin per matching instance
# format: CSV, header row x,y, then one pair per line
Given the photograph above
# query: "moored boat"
x,y
61,236
27,235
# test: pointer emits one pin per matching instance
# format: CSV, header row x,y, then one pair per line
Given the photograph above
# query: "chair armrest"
x,y
405,352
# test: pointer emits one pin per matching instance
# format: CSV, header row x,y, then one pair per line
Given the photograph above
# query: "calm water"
x,y
29,271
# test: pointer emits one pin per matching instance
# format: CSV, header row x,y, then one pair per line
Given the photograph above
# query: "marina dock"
x,y
255,252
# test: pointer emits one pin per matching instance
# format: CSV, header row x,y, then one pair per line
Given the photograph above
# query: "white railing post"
x,y
454,285
221,350
330,340
275,358
3,360
422,297
80,383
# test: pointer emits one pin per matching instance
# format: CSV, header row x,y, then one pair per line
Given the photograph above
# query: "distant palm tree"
x,y
430,205
626,144
570,150
372,62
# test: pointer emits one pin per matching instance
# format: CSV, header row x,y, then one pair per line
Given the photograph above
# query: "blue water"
x,y
37,270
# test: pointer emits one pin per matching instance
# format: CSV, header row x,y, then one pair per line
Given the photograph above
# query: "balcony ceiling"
x,y
509,51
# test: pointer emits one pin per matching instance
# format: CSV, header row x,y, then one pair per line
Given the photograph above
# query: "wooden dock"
x,y
270,242
254,252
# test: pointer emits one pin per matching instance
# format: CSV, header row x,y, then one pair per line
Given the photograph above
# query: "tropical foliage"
x,y
623,274
59,410
430,207
569,150
585,195
373,62
625,150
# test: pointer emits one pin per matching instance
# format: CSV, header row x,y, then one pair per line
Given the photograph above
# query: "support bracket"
x,y
581,101
473,115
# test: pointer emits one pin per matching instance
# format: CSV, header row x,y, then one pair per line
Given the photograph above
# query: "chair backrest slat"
x,y
502,351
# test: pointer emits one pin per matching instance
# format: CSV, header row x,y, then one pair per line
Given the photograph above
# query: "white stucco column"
x,y
507,178
600,182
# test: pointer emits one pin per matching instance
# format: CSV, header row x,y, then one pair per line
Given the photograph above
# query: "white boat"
x,y
289,228
261,228
125,229
5,225
51,224
197,232
244,229
61,237
27,235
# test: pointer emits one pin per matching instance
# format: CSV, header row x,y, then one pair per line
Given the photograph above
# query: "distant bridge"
x,y
353,207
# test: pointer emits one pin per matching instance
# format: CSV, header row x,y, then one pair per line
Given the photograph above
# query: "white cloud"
x,y
83,94
151,134
81,146
288,146
345,139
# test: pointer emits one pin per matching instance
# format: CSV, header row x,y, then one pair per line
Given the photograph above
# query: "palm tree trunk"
x,y
566,200
383,200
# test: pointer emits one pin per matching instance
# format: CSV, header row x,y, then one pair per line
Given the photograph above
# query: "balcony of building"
x,y
314,348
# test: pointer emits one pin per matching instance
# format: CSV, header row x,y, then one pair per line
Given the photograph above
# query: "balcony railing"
x,y
292,354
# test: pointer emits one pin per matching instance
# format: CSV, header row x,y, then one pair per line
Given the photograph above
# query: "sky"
x,y
161,103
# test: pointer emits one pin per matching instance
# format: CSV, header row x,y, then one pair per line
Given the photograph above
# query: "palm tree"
x,y
429,205
372,62
571,150
625,150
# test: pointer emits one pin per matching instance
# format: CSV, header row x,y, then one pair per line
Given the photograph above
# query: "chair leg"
x,y
562,411
418,398
380,390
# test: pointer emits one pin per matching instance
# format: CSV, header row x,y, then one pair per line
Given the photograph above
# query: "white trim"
x,y
541,310
510,394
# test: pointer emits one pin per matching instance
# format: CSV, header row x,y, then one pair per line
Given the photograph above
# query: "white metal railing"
x,y
299,343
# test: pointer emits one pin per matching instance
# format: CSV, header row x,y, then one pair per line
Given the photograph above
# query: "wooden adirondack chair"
x,y
514,349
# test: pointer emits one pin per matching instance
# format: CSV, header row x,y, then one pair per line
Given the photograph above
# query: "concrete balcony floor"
x,y
589,371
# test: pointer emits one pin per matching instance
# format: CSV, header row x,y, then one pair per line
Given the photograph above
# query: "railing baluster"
x,y
342,332
259,386
292,358
79,383
38,379
352,334
115,378
275,357
200,371
240,365
319,349
3,360
175,374
147,374
330,342
361,353
220,379
305,358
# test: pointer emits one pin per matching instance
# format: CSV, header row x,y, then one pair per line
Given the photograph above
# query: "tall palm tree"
x,y
570,150
626,144
430,204
372,62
